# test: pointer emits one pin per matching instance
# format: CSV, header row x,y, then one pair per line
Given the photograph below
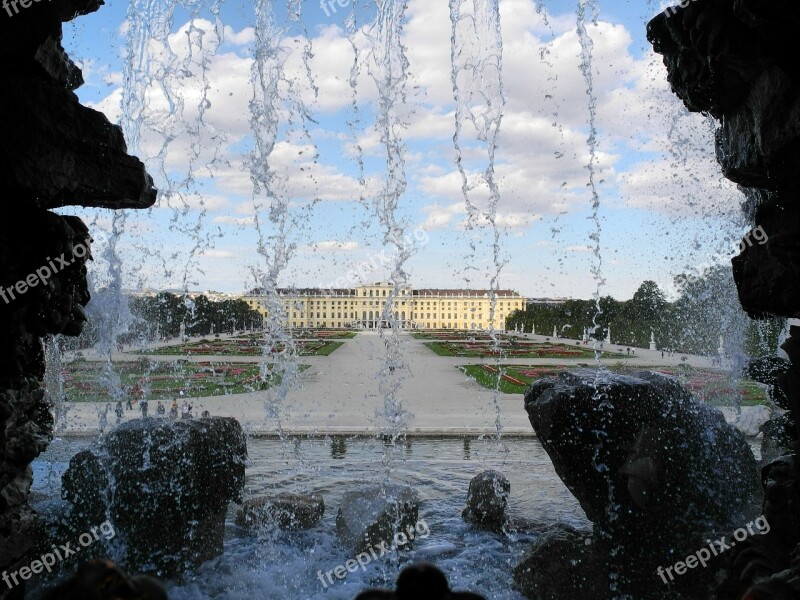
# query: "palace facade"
x,y
368,306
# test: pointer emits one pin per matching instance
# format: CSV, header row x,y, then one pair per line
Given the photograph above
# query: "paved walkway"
x,y
344,394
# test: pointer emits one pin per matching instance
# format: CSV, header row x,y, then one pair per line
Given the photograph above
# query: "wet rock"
x,y
71,154
724,60
767,275
766,369
375,514
640,454
53,152
487,501
778,435
560,564
57,152
662,455
422,581
768,563
286,511
168,485
737,59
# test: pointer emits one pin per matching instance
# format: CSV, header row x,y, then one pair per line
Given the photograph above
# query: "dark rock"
x,y
53,152
766,369
767,275
662,456
375,514
769,562
641,455
757,143
725,58
778,436
568,563
168,485
286,511
421,581
487,501
71,154
32,243
56,151
560,564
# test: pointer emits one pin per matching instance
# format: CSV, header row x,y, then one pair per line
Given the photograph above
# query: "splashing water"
x,y
587,14
388,68
279,350
477,78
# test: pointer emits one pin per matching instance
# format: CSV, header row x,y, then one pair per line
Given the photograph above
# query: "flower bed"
x,y
88,382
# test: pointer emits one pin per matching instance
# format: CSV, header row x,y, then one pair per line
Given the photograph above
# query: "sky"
x,y
664,208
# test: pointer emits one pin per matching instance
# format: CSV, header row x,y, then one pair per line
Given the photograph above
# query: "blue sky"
x,y
664,207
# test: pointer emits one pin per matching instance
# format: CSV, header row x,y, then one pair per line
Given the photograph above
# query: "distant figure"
x,y
143,407
662,354
160,408
205,414
128,404
187,411
173,410
119,411
628,350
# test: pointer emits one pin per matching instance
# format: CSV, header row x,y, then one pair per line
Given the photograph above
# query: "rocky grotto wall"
x,y
737,60
53,153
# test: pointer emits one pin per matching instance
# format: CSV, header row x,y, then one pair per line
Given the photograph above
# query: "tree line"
x,y
707,308
163,316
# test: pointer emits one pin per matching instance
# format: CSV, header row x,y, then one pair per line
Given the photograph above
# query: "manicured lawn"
x,y
486,349
245,346
713,387
326,350
86,381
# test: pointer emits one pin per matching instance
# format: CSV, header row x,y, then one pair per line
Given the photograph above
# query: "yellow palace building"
x,y
364,307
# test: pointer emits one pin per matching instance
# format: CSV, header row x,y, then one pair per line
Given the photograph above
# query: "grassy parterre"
x,y
512,349
90,381
713,387
242,346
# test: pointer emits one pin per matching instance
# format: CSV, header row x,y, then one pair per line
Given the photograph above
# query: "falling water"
x,y
54,382
388,67
477,78
354,123
587,14
271,208
166,97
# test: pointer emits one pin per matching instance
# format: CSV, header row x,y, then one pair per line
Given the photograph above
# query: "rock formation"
x,y
375,516
653,469
737,60
285,511
165,487
53,153
487,501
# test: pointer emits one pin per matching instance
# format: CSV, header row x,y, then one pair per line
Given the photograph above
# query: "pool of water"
x,y
286,565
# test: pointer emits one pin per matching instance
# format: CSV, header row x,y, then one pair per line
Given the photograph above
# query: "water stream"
x,y
477,78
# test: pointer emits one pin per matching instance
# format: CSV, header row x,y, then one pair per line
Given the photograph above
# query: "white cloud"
x,y
214,253
333,246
